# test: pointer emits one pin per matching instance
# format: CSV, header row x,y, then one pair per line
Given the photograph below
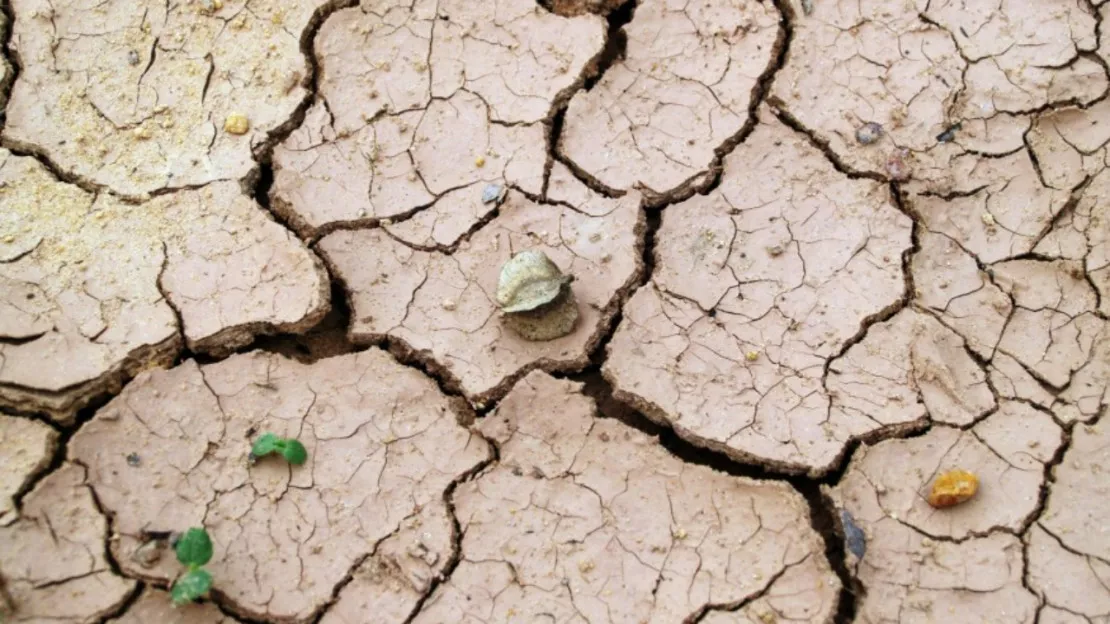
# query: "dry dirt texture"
x,y
823,252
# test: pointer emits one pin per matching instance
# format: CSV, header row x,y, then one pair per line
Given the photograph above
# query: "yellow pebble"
x,y
752,356
480,161
952,488
237,123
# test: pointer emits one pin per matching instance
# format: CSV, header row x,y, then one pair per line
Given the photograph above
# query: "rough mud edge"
x,y
821,512
14,66
260,180
61,405
592,71
456,528
109,558
908,288
736,605
611,52
1046,487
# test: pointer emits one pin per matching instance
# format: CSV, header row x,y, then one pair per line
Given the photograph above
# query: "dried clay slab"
x,y
589,520
1069,555
26,449
757,285
681,89
384,444
53,560
136,96
94,289
951,84
960,564
439,306
425,103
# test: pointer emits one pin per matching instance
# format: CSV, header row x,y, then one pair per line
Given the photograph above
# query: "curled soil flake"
x,y
157,123
680,353
952,488
398,292
384,444
586,519
419,100
26,448
682,89
90,281
52,558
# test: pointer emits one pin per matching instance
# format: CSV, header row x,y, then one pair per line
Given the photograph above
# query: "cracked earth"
x,y
823,252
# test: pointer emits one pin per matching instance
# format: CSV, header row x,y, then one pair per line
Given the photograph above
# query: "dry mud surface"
x,y
823,253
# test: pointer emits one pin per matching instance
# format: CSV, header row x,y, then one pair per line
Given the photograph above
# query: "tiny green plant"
x,y
194,549
292,450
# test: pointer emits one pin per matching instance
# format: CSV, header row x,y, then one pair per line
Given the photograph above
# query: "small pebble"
x,y
807,7
952,488
493,193
868,133
854,537
133,57
949,134
480,161
133,460
237,123
988,219
896,166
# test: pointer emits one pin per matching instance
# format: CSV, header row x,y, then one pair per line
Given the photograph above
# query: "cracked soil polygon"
x,y
134,97
53,558
93,287
964,563
441,304
588,520
383,443
1069,555
418,100
920,67
1053,329
756,286
682,90
26,449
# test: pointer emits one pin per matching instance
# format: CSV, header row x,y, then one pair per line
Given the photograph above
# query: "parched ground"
x,y
822,251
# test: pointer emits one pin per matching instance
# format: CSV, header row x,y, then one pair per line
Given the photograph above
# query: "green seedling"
x,y
194,549
292,450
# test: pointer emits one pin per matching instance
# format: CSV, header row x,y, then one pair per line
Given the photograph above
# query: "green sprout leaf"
x,y
294,452
267,443
194,548
190,586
